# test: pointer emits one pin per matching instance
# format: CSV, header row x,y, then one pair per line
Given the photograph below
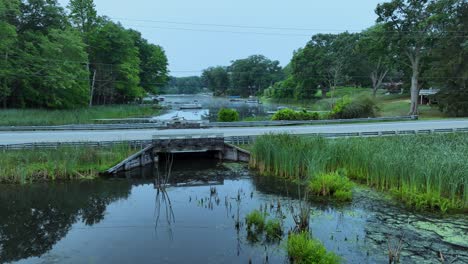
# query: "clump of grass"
x,y
273,229
255,219
303,249
38,117
425,171
64,163
331,184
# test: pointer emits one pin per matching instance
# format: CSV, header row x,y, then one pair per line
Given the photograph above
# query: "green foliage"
x,y
426,171
302,249
255,219
65,163
345,108
331,184
36,117
228,115
216,79
183,85
288,114
273,229
49,58
254,74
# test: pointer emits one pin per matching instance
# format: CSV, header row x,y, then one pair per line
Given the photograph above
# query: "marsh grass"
x,y
424,171
64,163
303,249
36,117
332,185
273,229
255,219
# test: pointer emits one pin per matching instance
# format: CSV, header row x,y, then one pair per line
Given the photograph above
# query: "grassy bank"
x,y
40,117
424,171
65,163
390,105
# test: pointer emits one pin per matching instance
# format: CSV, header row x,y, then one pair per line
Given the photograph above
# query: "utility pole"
x,y
92,89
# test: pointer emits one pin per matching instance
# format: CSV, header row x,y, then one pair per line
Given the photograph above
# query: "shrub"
x,y
303,249
331,184
345,108
228,115
273,229
255,219
289,114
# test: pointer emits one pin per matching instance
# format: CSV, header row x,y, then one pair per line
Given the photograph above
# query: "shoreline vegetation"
x,y
43,117
426,172
64,163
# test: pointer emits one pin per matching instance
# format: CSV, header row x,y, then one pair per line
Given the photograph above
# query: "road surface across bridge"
x,y
147,134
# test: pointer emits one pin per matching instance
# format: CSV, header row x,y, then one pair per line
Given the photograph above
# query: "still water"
x,y
127,220
210,107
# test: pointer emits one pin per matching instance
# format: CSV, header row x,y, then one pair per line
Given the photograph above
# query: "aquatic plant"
x,y
303,249
255,219
63,163
425,171
331,184
273,229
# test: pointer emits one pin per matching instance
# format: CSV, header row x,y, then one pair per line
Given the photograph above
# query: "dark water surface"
x,y
127,220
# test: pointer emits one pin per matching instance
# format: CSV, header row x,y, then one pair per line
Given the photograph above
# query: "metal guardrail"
x,y
164,125
237,140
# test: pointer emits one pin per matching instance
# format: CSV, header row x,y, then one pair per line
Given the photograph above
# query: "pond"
x,y
210,106
127,220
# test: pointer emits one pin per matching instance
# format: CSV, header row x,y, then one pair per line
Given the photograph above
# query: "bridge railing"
x,y
237,140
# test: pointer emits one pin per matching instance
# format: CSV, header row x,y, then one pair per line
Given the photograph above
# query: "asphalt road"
x,y
145,134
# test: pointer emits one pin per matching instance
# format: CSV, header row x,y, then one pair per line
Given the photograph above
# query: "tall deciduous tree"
x,y
375,54
448,65
9,10
216,79
410,25
252,75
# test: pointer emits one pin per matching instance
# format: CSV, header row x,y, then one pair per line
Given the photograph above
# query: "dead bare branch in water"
x,y
445,261
394,249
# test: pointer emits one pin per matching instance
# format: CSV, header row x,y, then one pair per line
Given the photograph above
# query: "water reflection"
x,y
132,220
210,107
34,218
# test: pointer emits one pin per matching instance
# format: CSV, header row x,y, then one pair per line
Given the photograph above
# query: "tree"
x,y
324,62
216,79
116,61
184,85
376,55
254,74
9,9
83,15
410,25
448,67
153,64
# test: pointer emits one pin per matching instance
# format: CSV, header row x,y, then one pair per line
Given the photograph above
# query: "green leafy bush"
x,y
302,249
332,184
346,108
228,115
289,114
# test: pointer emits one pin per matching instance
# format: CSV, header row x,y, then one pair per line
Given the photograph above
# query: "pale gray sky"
x,y
192,48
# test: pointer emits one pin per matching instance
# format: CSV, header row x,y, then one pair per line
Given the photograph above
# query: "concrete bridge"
x,y
211,145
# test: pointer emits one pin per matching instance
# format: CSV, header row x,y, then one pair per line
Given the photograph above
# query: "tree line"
x,y
423,43
55,58
420,43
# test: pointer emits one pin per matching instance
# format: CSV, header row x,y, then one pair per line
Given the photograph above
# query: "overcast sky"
x,y
190,48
